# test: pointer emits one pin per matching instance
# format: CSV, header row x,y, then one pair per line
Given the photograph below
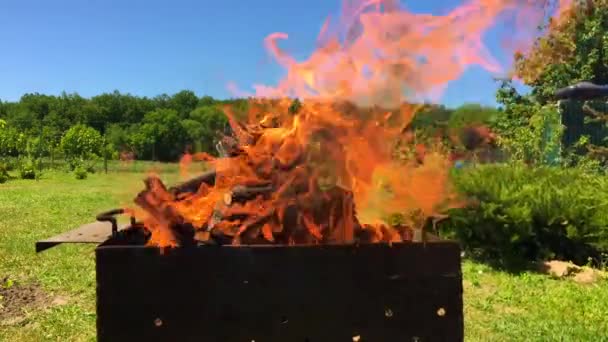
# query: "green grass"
x,y
498,306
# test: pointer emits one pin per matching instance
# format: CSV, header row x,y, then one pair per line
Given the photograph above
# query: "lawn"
x,y
498,306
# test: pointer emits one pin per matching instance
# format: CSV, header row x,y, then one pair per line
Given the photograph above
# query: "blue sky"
x,y
149,47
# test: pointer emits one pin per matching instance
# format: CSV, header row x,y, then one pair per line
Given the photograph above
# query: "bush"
x,y
80,172
11,164
3,172
81,142
531,213
28,169
12,142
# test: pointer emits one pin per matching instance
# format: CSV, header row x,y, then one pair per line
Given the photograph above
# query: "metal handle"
x,y
109,216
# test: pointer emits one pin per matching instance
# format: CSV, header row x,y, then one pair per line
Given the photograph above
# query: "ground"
x,y
51,296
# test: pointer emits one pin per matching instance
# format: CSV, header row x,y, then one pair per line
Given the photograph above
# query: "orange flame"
x,y
384,55
337,155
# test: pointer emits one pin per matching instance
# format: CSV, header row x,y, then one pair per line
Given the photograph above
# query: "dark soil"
x,y
17,299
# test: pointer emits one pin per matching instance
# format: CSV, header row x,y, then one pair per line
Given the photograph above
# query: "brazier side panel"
x,y
404,292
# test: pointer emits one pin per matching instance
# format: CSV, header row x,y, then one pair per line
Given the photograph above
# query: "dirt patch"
x,y
589,276
17,299
559,269
581,275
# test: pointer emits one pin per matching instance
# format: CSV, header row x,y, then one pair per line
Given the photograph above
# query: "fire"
x,y
328,173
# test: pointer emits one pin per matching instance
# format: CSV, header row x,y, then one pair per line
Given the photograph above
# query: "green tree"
x,y
162,136
12,142
204,126
37,123
472,114
80,143
119,136
184,102
206,101
570,50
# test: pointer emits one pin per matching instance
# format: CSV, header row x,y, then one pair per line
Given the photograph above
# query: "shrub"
x,y
80,172
28,169
12,142
3,172
81,142
11,164
531,213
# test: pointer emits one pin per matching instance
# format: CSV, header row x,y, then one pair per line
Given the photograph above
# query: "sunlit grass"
x,y
498,306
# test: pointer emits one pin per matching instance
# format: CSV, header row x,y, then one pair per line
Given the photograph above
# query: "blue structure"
x,y
571,115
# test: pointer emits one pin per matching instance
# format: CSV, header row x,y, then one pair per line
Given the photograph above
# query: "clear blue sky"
x,y
149,47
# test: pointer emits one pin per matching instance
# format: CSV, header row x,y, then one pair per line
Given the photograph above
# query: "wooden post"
x,y
39,152
105,154
52,152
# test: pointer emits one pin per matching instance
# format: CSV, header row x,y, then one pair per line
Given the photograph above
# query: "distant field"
x,y
61,282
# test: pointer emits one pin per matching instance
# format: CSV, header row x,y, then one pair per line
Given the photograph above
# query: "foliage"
x,y
531,213
29,168
430,120
80,172
162,135
530,133
12,142
3,172
184,102
471,114
570,50
80,143
205,125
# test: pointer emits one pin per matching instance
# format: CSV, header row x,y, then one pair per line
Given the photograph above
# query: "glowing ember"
x,y
298,178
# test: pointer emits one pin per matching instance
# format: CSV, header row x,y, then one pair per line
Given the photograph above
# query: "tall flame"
x,y
360,89
381,54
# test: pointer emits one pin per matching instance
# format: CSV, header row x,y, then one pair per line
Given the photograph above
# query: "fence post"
x,y
39,151
52,152
105,154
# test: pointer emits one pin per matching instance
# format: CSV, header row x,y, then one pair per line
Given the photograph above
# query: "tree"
x,y
108,109
162,135
471,114
430,120
571,50
80,143
184,102
12,142
211,122
206,101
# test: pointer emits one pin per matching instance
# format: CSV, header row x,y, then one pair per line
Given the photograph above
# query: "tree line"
x,y
157,128
150,128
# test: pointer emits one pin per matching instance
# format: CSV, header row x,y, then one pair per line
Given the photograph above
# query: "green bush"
x,y
81,142
28,169
12,142
80,172
11,164
531,213
3,172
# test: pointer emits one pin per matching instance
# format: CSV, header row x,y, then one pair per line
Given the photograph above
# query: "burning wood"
x,y
288,180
